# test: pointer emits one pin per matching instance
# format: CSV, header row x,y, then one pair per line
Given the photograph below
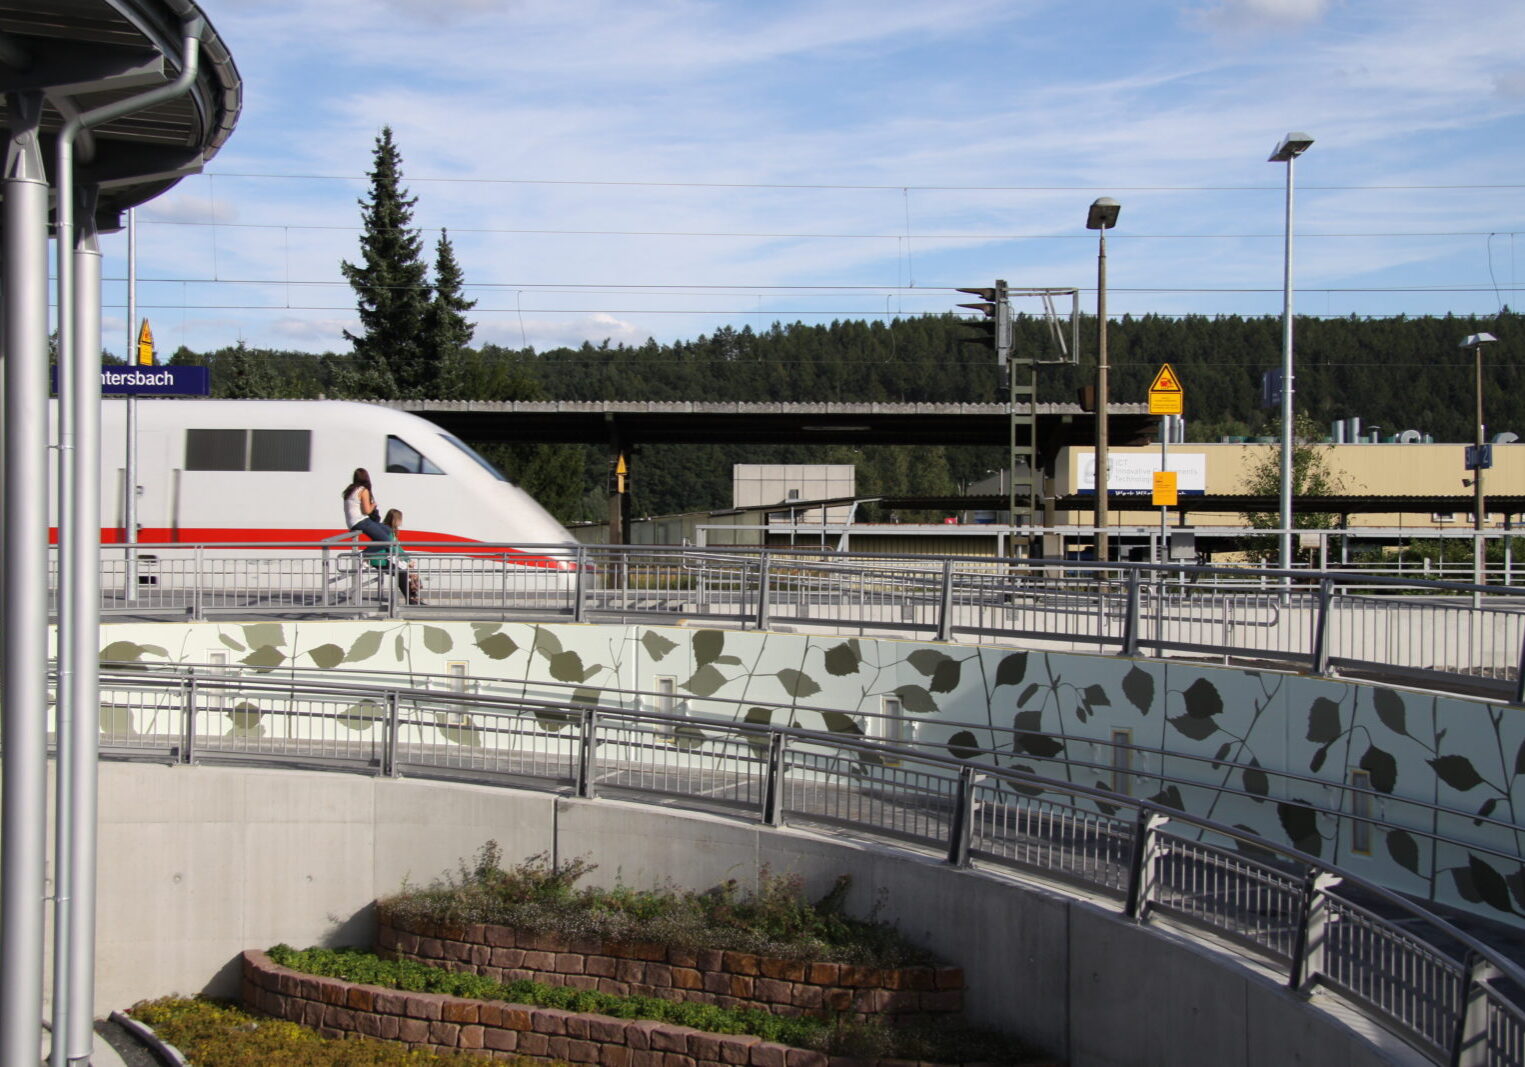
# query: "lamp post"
x,y
1291,146
1479,506
1102,217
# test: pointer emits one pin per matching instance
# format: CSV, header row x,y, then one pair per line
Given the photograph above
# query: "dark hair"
x,y
359,478
393,519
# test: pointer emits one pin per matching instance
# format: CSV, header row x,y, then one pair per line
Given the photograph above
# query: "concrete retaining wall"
x,y
198,864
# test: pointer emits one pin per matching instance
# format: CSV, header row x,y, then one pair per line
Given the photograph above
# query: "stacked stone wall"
x,y
726,979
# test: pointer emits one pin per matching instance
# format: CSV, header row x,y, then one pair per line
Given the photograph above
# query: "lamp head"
x,y
1292,146
1474,340
1103,214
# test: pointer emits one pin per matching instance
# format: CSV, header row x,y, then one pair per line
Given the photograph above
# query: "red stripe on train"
x,y
161,535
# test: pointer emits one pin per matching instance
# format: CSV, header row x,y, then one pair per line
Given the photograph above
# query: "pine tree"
x,y
389,284
447,333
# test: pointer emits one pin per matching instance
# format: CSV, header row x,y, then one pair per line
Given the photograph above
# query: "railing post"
x,y
580,583
196,587
762,591
773,791
394,732
1130,620
586,749
1320,653
1313,919
961,832
1141,874
328,563
1469,1048
189,693
1519,677
945,605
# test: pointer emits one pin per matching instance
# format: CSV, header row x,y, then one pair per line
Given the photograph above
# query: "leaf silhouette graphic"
x,y
1138,687
264,633
843,659
1202,699
264,657
1011,670
1096,696
945,678
1457,772
1196,729
567,667
364,647
1256,781
327,656
916,700
797,683
1404,850
963,745
1489,883
1300,823
1382,767
656,645
707,645
706,681
1027,694
497,646
839,722
926,661
1390,710
1323,721
438,640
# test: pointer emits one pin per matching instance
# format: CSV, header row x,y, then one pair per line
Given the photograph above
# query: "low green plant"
x,y
946,1042
214,1034
774,920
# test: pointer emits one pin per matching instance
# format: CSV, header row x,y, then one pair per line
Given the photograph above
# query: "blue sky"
x,y
626,169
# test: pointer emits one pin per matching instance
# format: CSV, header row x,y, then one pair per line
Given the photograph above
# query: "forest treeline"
x,y
1397,373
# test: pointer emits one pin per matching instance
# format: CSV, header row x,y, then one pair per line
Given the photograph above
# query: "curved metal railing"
x,y
1454,996
1442,635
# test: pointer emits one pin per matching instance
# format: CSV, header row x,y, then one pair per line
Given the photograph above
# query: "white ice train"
x,y
231,472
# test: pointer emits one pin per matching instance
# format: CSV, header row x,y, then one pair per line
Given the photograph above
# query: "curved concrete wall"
x,y
199,863
1291,742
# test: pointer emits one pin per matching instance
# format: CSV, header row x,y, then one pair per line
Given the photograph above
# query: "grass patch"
x,y
213,1034
945,1042
776,920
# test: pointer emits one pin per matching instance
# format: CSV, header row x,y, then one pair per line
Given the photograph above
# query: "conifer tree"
x,y
390,286
447,332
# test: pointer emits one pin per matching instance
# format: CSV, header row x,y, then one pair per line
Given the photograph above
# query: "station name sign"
x,y
127,379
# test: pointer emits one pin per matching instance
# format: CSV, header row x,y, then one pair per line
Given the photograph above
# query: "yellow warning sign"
x,y
145,346
1165,495
1166,397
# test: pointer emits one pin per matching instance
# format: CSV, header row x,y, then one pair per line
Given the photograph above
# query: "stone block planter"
x,y
727,979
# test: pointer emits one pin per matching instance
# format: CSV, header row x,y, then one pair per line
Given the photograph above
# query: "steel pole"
x,y
130,446
1479,505
24,282
1286,386
1101,518
84,624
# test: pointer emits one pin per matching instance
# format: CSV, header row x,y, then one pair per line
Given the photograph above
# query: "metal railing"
x,y
1442,635
1453,996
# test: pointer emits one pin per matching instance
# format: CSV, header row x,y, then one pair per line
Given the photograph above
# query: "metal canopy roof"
x,y
83,54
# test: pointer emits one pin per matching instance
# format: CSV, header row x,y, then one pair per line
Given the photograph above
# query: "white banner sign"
x,y
1133,472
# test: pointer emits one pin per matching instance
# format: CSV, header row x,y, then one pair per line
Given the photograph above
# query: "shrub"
x,y
212,1034
541,896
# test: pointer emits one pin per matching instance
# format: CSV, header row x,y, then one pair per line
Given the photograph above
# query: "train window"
x,y
248,450
280,450
464,447
403,458
216,450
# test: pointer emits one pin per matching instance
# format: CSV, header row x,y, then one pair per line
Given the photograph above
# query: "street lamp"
x,y
1292,146
1102,217
1475,342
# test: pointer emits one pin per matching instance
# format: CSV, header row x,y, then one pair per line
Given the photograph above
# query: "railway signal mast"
x,y
993,332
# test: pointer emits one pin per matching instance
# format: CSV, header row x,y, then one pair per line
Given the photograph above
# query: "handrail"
x,y
958,819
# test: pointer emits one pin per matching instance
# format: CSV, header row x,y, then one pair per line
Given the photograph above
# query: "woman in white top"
x,y
360,507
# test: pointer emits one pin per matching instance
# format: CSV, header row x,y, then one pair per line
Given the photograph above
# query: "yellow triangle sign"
x,y
1166,381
